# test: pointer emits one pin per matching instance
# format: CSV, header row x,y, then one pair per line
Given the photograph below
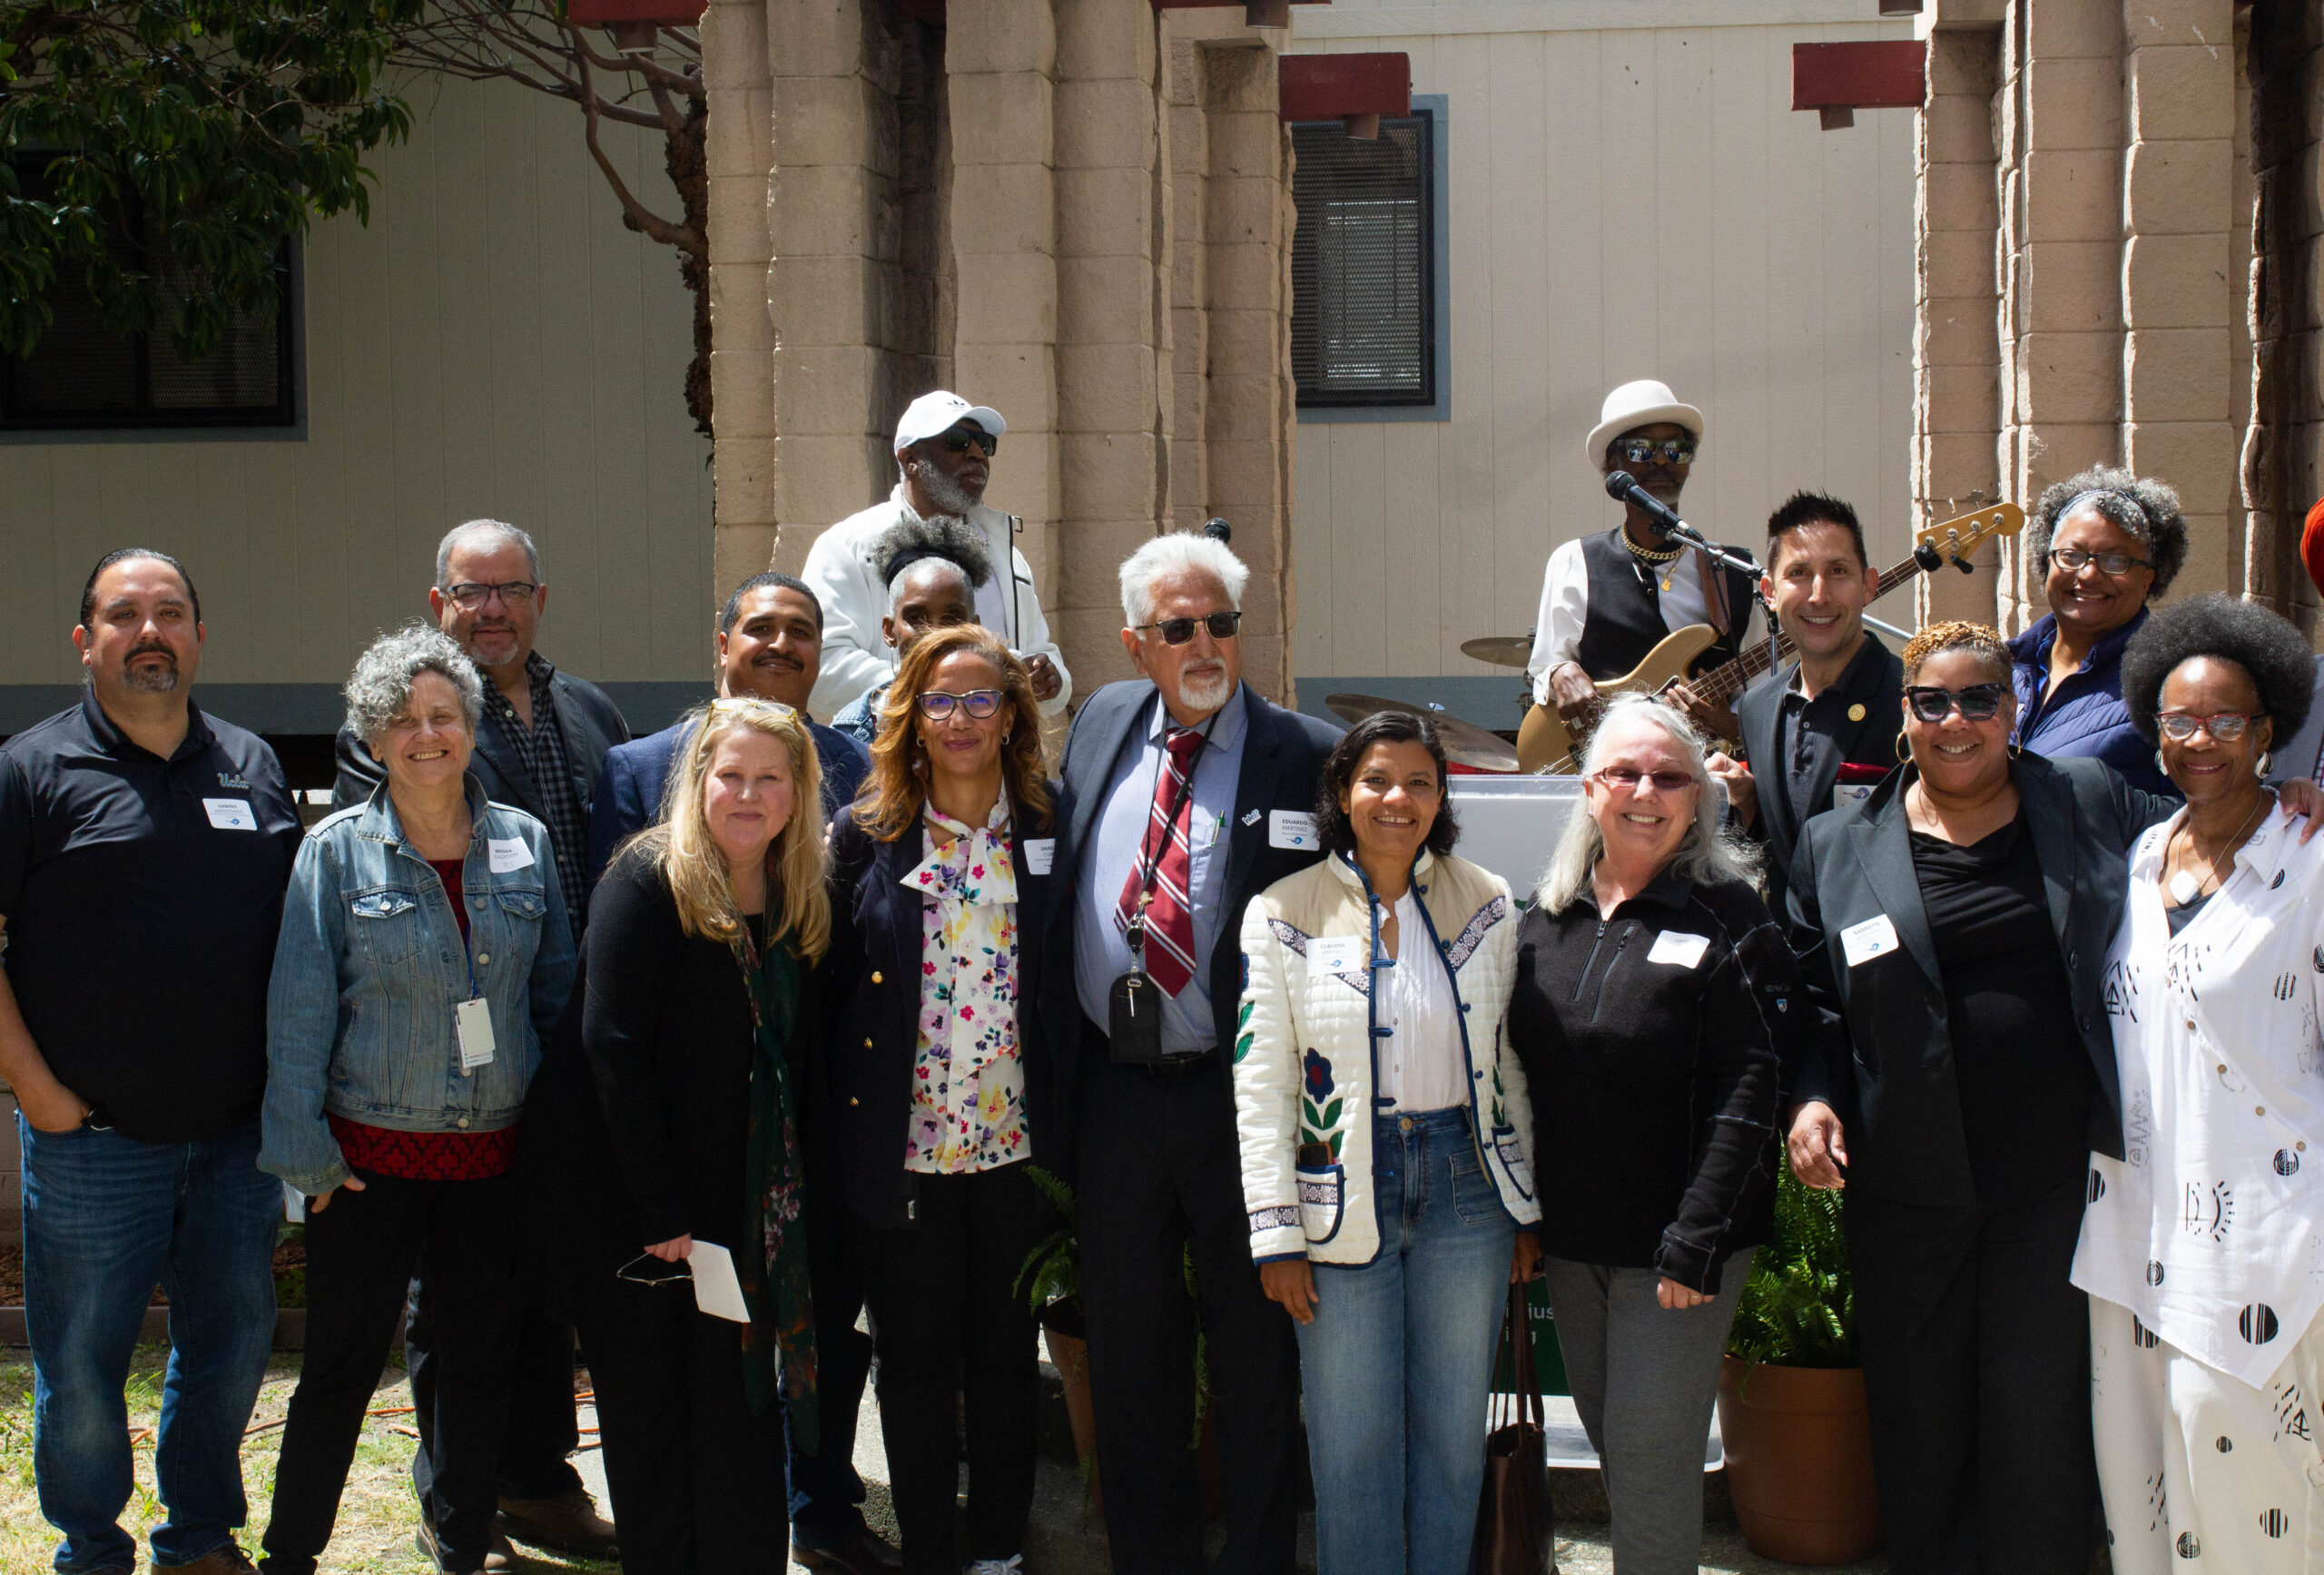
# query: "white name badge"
x,y
507,853
1844,793
1040,852
1676,949
1860,943
1336,954
230,815
473,1020
1292,829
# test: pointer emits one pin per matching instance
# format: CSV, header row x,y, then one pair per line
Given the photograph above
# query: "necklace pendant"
x,y
1666,582
2184,887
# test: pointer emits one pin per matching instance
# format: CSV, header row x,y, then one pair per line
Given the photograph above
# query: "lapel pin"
x,y
1856,711
1252,819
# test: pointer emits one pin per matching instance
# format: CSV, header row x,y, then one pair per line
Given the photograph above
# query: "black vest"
x,y
1625,618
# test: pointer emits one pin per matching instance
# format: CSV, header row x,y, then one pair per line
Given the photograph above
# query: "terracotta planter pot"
x,y
1800,1461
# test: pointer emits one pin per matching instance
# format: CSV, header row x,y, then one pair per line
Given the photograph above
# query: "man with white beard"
x,y
944,451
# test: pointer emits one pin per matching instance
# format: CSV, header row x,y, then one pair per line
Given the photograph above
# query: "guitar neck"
x,y
1723,682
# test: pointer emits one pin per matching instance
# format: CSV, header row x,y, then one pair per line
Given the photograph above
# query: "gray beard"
x,y
161,681
944,494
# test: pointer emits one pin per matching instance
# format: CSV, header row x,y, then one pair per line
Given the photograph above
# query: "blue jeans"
x,y
1398,1360
107,1219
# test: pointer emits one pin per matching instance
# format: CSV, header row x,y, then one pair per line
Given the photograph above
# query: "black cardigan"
x,y
637,1127
862,1081
1655,1085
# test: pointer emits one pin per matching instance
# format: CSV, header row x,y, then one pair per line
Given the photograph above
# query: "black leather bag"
x,y
1515,1534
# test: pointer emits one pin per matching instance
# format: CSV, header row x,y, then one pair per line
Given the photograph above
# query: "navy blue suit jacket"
x,y
629,788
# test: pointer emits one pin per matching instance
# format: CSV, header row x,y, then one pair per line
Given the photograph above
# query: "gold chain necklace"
x,y
1649,555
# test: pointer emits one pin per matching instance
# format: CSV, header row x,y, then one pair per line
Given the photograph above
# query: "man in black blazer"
x,y
539,744
1820,731
1155,1154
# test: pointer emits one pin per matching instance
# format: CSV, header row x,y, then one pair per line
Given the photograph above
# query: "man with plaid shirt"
x,y
542,740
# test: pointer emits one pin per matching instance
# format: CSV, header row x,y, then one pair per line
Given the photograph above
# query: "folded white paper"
x,y
716,1291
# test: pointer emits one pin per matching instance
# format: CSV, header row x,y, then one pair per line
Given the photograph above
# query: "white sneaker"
x,y
1012,1565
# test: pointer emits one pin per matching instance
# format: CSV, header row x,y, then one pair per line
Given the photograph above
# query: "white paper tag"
x,y
294,1204
1292,829
473,1020
716,1291
1844,793
507,853
1040,852
1335,954
1860,943
1677,950
230,815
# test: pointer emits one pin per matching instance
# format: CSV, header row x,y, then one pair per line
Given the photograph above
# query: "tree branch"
x,y
685,240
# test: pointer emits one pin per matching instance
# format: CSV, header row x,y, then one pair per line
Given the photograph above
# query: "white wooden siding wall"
x,y
1625,204
495,342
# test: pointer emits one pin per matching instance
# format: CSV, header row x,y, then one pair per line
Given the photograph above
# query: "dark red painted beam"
x,y
606,13
1329,87
1878,73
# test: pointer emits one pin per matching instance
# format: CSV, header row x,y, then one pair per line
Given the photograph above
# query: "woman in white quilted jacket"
x,y
1387,1148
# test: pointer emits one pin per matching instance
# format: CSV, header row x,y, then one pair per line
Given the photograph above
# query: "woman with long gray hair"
x,y
1655,1012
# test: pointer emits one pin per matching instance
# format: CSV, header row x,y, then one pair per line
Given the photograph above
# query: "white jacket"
x,y
1303,1071
843,577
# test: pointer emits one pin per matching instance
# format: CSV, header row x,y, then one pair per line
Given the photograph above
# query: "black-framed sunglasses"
x,y
1978,702
938,705
1669,450
959,439
1178,631
467,594
2226,727
2073,559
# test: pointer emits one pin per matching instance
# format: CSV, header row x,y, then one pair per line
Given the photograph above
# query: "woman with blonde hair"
x,y
933,1096
667,1122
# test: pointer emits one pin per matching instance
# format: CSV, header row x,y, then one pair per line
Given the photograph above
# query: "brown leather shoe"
x,y
229,1559
567,1524
859,1552
500,1557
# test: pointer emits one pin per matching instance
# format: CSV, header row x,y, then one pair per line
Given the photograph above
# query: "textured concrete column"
x,y
1956,346
2179,294
1108,394
1000,67
739,153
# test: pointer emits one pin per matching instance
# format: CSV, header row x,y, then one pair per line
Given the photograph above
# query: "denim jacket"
x,y
370,968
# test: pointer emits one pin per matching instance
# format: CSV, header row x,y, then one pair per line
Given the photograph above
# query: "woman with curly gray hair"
x,y
2107,544
424,955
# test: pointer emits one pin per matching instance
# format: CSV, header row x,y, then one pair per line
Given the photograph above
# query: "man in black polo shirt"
x,y
144,848
539,747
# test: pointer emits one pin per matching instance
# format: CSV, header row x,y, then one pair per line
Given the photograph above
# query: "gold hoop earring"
x,y
1904,749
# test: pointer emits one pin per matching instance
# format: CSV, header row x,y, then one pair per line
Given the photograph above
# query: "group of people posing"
x,y
734,1050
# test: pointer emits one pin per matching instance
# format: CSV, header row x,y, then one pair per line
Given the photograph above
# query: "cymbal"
x,y
1465,742
1500,650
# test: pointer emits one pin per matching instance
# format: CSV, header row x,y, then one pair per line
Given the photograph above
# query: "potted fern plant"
x,y
1791,1405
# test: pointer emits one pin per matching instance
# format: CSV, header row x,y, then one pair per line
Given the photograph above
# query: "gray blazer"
x,y
2296,757
1884,1056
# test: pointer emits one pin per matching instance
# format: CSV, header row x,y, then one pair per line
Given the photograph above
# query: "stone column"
x,y
736,138
2180,296
1188,134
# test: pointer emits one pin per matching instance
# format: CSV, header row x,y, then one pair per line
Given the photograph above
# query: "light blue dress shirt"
x,y
1100,951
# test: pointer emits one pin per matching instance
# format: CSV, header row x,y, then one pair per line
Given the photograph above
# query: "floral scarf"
x,y
781,1334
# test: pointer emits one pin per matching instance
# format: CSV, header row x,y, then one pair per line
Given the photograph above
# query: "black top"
x,y
2184,914
1808,748
1852,724
2025,1085
1622,622
142,898
1656,1043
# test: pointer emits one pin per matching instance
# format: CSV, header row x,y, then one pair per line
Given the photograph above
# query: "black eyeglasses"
x,y
959,439
937,704
1669,450
1667,781
468,595
1978,702
1178,631
2179,726
2072,559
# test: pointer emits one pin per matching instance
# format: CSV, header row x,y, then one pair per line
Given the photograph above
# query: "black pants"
x,y
696,1477
542,1429
1161,1174
360,1251
826,1494
1977,1362
949,1319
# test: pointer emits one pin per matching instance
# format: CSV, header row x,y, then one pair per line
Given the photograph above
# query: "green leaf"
x,y
1242,1046
1331,1113
1336,1144
1798,1306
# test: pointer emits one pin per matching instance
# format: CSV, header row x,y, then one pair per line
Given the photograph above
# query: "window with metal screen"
x,y
1363,264
82,375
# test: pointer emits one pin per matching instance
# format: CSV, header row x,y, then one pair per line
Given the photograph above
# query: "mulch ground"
x,y
289,1275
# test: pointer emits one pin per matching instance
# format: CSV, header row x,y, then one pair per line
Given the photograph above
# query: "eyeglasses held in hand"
x,y
958,440
1667,782
1669,450
657,1272
2179,726
2072,559
468,596
1178,631
1978,702
937,704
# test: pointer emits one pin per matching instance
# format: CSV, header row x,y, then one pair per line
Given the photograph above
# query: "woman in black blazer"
x,y
1953,930
667,1116
933,1092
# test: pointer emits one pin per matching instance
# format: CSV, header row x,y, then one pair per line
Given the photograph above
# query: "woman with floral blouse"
x,y
933,1087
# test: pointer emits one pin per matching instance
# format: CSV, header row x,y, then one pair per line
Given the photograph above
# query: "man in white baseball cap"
x,y
944,454
1607,600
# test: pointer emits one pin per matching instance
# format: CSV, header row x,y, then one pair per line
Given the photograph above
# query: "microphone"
x,y
1623,488
1219,530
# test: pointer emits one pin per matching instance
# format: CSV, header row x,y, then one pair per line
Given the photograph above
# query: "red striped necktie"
x,y
1169,915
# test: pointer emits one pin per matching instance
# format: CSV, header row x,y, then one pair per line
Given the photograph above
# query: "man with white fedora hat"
x,y
1607,600
944,451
